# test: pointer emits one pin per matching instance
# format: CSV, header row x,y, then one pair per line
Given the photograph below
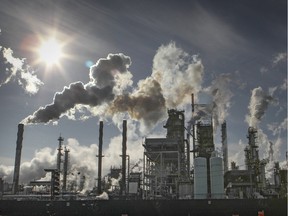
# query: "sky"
x,y
133,60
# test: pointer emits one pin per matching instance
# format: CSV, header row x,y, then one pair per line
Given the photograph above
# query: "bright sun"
x,y
50,52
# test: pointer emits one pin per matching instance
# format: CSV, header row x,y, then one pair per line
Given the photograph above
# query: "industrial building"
x,y
182,169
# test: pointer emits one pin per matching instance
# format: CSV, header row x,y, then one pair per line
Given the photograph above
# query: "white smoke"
x,y
277,130
103,196
115,183
236,152
221,97
18,70
284,85
258,105
6,172
178,73
263,143
279,58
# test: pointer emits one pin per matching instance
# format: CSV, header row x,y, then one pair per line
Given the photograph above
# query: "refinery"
x,y
168,184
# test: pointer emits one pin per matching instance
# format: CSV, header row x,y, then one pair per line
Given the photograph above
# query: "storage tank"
x,y
217,178
200,178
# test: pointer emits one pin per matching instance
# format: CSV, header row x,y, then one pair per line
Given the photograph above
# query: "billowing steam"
x,y
18,70
258,105
175,76
178,73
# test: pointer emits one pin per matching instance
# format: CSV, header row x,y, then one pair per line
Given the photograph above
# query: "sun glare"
x,y
50,52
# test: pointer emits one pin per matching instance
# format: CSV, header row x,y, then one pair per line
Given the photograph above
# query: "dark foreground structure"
x,y
230,207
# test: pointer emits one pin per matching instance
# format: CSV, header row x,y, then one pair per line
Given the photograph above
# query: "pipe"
x,y
188,153
17,158
100,157
124,148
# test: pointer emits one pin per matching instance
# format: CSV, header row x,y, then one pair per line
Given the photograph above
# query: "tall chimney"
x,y
65,168
59,154
224,145
193,126
17,158
124,148
100,157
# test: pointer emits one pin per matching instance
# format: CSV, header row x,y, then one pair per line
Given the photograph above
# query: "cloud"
x,y
18,70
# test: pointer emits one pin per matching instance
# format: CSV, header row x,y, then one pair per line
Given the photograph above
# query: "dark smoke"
x,y
175,75
99,90
147,104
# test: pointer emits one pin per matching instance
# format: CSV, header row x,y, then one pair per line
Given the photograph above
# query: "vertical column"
x,y
100,157
224,146
124,148
65,169
17,158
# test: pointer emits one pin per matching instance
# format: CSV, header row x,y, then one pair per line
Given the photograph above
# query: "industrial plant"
x,y
168,183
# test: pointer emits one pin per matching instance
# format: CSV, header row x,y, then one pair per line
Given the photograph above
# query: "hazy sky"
x,y
147,56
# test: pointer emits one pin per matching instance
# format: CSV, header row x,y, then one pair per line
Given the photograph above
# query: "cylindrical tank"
x,y
200,178
217,178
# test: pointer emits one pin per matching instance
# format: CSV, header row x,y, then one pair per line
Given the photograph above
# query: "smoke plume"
x,y
178,73
146,104
258,105
18,70
175,76
104,77
221,97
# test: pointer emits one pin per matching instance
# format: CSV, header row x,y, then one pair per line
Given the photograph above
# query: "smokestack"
x,y
192,102
65,169
100,157
224,145
193,126
59,154
17,158
124,148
